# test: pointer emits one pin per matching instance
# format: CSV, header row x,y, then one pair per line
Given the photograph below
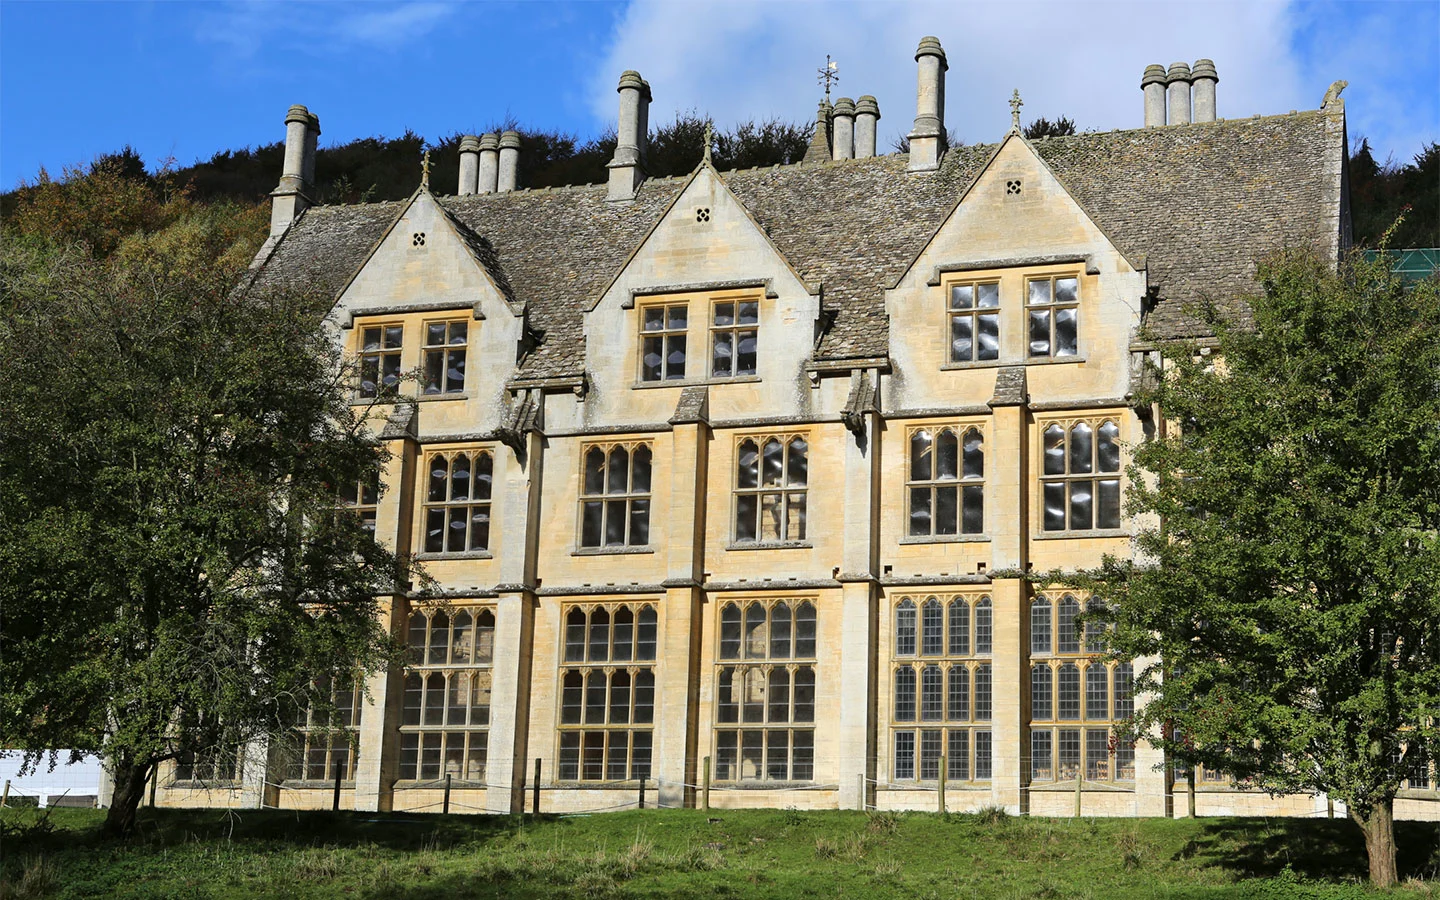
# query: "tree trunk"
x,y
1379,828
130,778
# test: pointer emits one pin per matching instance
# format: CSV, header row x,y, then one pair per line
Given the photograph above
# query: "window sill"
x,y
199,784
298,784
437,784
632,784
773,785
1090,533
694,382
431,398
931,785
1068,787
1053,360
945,539
470,554
769,545
1003,363
611,551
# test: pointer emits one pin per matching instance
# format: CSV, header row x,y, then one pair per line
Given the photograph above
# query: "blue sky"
x,y
186,80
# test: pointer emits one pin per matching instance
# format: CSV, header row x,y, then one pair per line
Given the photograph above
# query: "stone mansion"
x,y
725,480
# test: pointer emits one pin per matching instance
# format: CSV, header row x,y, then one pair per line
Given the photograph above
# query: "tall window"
x,y
380,359
662,342
942,682
765,691
975,321
947,482
607,692
362,498
327,746
1076,698
213,764
733,335
615,496
457,501
771,474
445,346
1081,476
1053,305
445,715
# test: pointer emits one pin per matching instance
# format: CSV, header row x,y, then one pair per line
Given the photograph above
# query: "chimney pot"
x,y
843,119
509,161
927,137
469,165
627,167
867,114
1153,84
1177,90
489,173
1205,78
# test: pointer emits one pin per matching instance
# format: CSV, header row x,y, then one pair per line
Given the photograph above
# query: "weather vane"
x,y
425,171
1015,104
828,75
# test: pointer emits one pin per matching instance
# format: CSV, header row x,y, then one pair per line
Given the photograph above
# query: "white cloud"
x,y
742,60
249,27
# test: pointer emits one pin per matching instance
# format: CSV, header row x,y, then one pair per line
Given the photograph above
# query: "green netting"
x,y
1410,265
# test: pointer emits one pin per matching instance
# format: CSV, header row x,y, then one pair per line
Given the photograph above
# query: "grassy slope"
x,y
684,853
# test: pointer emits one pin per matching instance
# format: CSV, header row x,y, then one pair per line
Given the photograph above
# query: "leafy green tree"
x,y
174,571
1286,593
1381,192
1043,128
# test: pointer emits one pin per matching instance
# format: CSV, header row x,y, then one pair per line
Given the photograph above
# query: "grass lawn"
x,y
691,853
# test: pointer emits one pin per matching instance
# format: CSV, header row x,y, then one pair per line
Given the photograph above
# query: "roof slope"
x,y
1200,204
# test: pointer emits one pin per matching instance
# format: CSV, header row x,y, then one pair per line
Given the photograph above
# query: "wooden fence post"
x,y
705,786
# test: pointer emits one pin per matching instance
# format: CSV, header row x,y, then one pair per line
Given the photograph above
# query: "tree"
x,y
1379,193
1286,596
174,572
1043,128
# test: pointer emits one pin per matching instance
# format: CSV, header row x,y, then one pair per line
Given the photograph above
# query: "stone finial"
x,y
843,124
1153,85
867,114
927,136
425,171
1015,104
709,140
1177,91
819,149
509,161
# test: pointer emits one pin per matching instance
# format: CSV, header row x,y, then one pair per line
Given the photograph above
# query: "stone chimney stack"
x,y
1153,84
843,120
509,161
867,114
819,149
297,179
627,168
927,137
489,181
1177,89
469,165
1205,79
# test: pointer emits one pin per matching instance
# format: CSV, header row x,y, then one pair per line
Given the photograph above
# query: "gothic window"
x,y
662,342
1077,698
947,482
444,353
942,685
974,321
771,475
380,360
607,692
1080,480
445,706
457,501
765,691
734,333
615,495
1053,307
326,746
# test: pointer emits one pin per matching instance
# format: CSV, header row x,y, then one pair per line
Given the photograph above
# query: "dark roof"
x,y
1199,205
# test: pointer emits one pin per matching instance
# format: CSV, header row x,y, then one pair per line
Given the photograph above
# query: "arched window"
x,y
805,630
905,630
945,484
780,631
959,627
615,500
446,704
439,639
575,635
457,502
1067,640
1069,693
1040,612
983,627
933,628
730,631
770,489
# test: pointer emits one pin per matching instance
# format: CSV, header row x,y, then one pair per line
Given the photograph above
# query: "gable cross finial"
x,y
709,139
425,171
829,75
1015,104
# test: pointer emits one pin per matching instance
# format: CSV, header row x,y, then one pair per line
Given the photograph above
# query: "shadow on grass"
x,y
1315,849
